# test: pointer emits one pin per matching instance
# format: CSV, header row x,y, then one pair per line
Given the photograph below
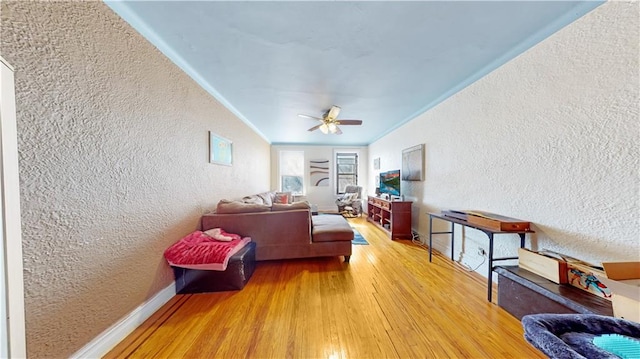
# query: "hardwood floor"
x,y
388,302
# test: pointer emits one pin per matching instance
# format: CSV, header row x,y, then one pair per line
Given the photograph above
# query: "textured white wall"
x,y
323,197
551,137
113,145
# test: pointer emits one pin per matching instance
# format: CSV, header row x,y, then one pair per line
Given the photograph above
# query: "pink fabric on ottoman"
x,y
200,251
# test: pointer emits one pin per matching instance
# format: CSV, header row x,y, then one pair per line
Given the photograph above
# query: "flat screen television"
x,y
390,182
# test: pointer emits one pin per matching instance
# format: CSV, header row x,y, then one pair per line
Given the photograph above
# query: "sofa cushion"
x,y
331,228
265,198
290,206
253,199
226,207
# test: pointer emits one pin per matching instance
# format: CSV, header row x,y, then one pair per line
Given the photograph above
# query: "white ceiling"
x,y
382,62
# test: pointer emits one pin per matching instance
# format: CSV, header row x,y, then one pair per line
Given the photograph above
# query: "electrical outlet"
x,y
481,252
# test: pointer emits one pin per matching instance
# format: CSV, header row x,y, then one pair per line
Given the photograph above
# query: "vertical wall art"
x,y
376,163
220,150
413,163
319,173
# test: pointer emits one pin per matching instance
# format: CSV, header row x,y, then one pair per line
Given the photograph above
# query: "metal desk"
x,y
488,231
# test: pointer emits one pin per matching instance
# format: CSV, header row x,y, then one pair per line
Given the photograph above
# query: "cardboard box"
x,y
618,282
544,265
584,275
623,279
497,222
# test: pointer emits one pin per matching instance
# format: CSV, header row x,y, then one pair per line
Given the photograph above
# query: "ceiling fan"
x,y
330,122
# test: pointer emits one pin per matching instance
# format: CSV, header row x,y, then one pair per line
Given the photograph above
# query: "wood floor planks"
x,y
388,302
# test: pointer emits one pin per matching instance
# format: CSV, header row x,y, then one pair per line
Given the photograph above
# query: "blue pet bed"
x,y
570,336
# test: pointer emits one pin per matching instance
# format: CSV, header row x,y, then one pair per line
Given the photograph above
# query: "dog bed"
x,y
570,336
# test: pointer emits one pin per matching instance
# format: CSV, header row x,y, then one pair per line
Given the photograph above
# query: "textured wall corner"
x,y
551,137
113,146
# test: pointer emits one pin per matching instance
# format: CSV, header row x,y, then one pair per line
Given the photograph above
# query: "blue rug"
x,y
358,238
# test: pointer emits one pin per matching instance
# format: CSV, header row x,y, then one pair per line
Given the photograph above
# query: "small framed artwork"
x,y
413,163
220,150
376,163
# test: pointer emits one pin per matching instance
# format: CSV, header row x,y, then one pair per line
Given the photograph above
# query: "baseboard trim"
x,y
113,335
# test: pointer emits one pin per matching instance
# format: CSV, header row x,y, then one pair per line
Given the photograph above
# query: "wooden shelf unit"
x,y
394,217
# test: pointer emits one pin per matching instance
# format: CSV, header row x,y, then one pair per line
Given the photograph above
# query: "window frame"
x,y
346,153
282,172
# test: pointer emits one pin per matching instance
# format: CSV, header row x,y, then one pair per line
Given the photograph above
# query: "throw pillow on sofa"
x,y
267,197
253,199
348,197
283,197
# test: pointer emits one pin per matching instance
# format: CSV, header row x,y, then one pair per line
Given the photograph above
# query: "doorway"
x,y
12,328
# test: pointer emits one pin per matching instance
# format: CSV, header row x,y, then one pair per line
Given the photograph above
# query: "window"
x,y
346,171
292,172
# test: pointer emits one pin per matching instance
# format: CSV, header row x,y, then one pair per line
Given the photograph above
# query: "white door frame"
x,y
10,218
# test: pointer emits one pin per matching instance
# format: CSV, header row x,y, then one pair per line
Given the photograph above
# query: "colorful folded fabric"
x,y
200,251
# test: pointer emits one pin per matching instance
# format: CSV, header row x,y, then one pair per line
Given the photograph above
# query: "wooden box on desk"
x,y
553,269
497,222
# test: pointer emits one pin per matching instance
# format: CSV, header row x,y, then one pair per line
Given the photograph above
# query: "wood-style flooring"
x,y
388,302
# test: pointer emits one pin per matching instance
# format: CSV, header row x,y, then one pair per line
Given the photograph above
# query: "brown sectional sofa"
x,y
283,231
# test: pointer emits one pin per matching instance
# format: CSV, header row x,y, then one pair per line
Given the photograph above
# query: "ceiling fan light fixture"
x,y
333,128
329,121
333,112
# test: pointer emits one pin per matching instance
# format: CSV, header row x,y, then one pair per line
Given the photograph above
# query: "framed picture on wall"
x,y
220,150
413,163
319,173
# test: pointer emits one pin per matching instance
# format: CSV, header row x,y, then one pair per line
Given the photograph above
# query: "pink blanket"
x,y
200,251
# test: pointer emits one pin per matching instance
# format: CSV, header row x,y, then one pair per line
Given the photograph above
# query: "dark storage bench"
x,y
239,270
521,292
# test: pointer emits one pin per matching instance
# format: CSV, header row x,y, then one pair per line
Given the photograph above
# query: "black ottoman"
x,y
239,270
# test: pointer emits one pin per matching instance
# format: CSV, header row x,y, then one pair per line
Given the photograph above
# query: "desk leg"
x,y
452,239
490,284
521,240
430,236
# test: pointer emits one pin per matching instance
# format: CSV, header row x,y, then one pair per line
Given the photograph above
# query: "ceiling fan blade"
x,y
314,128
311,117
333,112
338,131
350,122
